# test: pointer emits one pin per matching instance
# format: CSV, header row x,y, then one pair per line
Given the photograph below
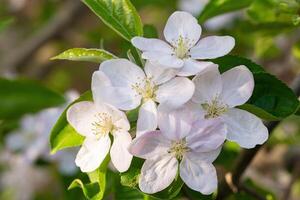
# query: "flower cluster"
x,y
186,109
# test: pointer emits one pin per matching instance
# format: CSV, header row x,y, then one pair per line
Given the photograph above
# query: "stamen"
x,y
214,109
181,47
103,125
179,148
145,88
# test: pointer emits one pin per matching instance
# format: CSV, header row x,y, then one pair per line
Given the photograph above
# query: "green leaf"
x,y
227,62
217,7
82,54
90,190
99,176
271,98
18,97
120,15
96,188
62,134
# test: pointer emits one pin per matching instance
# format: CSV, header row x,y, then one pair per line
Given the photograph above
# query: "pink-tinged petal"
x,y
158,73
198,175
81,116
147,120
151,44
192,67
245,128
212,47
184,25
206,135
92,153
208,85
167,61
158,173
175,124
122,97
238,85
149,145
119,154
175,92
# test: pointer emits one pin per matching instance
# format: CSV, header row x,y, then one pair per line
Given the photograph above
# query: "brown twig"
x,y
247,156
64,17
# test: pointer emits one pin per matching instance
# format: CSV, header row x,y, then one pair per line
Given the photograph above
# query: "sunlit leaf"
x,y
82,54
62,134
120,15
18,97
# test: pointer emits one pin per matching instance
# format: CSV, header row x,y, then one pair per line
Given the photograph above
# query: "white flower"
x,y
192,6
182,33
217,95
182,140
95,122
123,84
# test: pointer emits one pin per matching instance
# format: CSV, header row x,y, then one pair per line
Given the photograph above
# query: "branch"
x,y
247,156
65,16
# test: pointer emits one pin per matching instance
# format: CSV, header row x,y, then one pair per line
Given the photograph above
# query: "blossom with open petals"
x,y
95,122
184,143
216,96
123,84
183,47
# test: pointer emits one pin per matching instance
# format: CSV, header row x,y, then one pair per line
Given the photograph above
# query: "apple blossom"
x,y
182,33
123,84
95,122
216,96
184,141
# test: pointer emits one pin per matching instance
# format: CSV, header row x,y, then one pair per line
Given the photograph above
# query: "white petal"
x,y
92,153
123,97
238,85
150,44
158,73
212,47
208,85
206,135
149,145
198,175
81,116
175,124
209,156
165,60
182,24
147,120
192,67
175,92
158,173
119,154
245,128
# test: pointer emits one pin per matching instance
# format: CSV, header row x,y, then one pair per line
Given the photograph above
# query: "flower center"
x,y
145,88
178,148
103,125
181,48
214,109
